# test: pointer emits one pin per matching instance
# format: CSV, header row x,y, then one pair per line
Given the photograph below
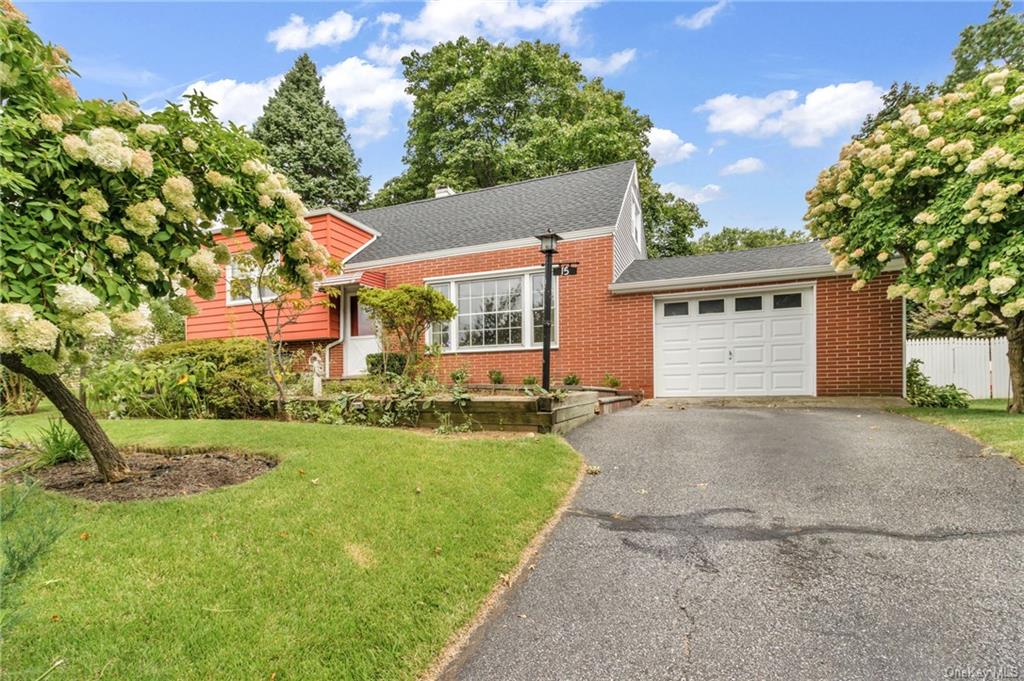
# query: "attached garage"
x,y
766,322
752,342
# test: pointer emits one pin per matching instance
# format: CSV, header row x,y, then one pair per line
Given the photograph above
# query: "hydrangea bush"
x,y
941,189
106,206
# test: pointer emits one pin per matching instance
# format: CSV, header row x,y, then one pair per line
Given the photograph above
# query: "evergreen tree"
x,y
308,142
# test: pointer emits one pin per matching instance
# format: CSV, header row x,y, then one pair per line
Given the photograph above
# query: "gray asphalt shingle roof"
x,y
810,254
582,199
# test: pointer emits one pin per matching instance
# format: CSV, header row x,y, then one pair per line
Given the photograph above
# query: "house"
x,y
769,321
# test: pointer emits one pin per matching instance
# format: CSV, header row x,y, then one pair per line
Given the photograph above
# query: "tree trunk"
x,y
109,461
1015,353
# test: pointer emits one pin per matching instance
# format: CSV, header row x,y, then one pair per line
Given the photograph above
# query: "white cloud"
x,y
667,147
441,20
298,35
613,63
364,93
698,195
237,101
823,113
702,18
744,166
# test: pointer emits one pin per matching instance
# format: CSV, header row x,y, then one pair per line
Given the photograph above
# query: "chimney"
x,y
441,192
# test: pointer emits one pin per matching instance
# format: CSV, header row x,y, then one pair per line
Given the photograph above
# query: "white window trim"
x,y
525,273
254,294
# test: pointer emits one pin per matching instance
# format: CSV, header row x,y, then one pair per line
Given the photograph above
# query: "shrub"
x,y
571,379
460,376
403,314
496,377
376,366
610,381
921,392
59,443
225,378
529,380
17,394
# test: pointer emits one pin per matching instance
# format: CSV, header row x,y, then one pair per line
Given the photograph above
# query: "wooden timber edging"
x,y
503,412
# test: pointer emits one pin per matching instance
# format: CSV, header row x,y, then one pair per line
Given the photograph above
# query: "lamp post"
x,y
548,246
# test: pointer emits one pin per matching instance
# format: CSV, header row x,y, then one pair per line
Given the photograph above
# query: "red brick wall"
x,y
860,338
598,332
859,334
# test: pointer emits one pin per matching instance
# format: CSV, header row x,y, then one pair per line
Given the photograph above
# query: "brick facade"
x,y
859,334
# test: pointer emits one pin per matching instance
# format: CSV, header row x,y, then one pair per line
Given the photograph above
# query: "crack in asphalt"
x,y
696,524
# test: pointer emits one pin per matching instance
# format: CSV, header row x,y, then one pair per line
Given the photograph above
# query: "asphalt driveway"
x,y
771,544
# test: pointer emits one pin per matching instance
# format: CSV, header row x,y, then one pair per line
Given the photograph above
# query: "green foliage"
x,y
610,381
487,114
742,238
460,376
224,378
571,379
921,393
530,380
307,140
58,443
168,325
403,314
381,364
31,524
940,187
386,402
997,42
496,377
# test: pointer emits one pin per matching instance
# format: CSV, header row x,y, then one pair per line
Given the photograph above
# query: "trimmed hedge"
x,y
375,364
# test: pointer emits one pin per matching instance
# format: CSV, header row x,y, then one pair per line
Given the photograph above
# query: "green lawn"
x,y
362,575
986,420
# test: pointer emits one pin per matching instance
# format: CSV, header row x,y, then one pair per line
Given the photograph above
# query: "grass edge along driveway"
x,y
357,557
986,421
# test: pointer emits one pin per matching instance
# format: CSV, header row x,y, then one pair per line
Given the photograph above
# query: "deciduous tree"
x,y
105,207
487,114
941,188
742,238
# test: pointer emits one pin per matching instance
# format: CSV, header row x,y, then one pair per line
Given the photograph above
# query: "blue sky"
x,y
749,99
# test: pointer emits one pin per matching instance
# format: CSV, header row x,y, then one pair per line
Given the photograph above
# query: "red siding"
x,y
217,319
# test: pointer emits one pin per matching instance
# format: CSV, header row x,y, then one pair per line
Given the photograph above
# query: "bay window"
x,y
494,312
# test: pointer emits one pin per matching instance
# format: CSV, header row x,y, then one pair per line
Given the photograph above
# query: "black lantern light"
x,y
548,246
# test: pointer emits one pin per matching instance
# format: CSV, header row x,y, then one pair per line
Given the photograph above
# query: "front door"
x,y
360,339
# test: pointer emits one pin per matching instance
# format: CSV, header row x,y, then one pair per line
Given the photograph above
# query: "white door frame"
x,y
354,348
690,295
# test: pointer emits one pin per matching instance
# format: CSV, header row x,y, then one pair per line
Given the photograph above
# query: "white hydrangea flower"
x,y
126,109
255,168
150,131
38,335
995,265
146,267
1017,103
996,78
133,323
219,180
111,157
75,300
203,265
922,245
178,191
90,214
142,163
1001,285
962,262
106,135
974,245
858,285
117,244
51,122
7,341
263,232
926,259
977,167
189,145
93,325
883,256
75,147
13,315
921,132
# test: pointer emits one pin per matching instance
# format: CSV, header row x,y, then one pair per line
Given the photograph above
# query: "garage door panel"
x,y
736,352
749,330
751,354
788,353
716,331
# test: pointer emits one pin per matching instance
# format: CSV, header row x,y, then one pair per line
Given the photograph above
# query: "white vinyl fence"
x,y
978,365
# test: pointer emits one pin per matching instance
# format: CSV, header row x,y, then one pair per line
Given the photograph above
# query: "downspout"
x,y
341,335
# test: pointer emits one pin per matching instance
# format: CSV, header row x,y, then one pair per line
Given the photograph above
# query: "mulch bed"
x,y
155,475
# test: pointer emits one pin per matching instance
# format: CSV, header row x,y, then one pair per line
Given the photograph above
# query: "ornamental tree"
x,y
941,188
105,207
403,314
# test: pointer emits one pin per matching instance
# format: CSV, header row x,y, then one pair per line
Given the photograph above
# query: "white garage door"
x,y
744,343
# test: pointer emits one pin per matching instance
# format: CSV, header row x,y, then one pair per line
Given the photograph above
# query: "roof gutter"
x,y
779,274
